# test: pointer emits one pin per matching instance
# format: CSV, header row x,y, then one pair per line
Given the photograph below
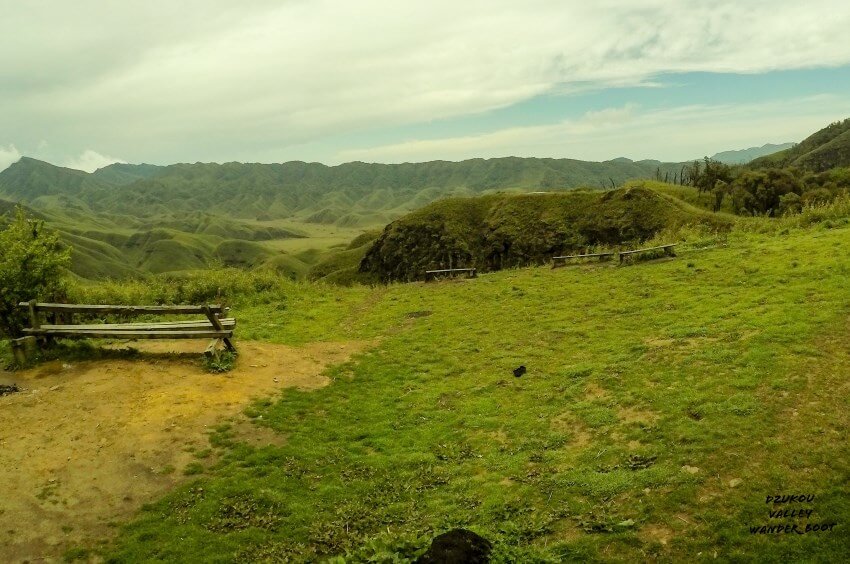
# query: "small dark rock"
x,y
519,371
457,546
5,390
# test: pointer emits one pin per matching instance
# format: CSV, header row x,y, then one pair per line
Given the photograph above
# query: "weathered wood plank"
x,y
30,305
165,326
668,250
212,348
217,324
121,309
129,334
584,256
432,274
562,260
444,270
648,249
23,349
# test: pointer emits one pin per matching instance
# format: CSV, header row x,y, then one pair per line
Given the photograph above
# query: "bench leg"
x,y
212,349
24,349
217,324
18,353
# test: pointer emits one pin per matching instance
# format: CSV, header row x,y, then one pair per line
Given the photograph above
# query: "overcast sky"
x,y
86,83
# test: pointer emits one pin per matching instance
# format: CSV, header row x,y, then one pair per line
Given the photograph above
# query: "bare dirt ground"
x,y
85,444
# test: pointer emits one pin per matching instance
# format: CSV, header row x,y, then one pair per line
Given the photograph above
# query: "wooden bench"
x,y
213,327
668,251
564,259
434,274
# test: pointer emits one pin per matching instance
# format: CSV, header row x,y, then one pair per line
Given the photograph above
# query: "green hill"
x,y
744,156
200,214
309,191
508,230
121,174
823,150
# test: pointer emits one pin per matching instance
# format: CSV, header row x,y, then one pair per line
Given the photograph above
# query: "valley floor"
x,y
663,403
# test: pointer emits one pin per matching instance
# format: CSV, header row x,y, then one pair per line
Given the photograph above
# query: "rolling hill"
x,y
354,194
743,156
509,230
127,220
823,150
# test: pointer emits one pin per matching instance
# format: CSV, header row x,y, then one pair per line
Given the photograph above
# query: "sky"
x,y
87,83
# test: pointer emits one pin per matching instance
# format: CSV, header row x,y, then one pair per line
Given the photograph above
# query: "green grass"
x,y
508,230
634,372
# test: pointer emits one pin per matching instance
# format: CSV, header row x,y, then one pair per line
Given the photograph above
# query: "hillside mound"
x,y
502,231
823,150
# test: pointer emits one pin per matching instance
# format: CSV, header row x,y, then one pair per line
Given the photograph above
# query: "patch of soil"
x,y
633,415
85,444
594,391
656,533
567,422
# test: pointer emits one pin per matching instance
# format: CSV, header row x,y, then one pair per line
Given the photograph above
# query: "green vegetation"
x,y
663,402
31,266
223,361
127,221
503,231
823,150
311,192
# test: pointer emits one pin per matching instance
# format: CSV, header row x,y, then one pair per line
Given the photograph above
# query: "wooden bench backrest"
x,y
122,309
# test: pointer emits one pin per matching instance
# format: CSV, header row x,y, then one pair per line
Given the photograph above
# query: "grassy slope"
x,y
824,149
508,230
731,360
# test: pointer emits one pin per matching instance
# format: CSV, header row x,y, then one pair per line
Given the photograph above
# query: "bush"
x,y
32,264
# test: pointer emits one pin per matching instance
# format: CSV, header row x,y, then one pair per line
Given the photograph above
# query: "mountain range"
x,y
132,219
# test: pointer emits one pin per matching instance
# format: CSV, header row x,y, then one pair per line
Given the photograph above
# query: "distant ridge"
x,y
352,194
744,156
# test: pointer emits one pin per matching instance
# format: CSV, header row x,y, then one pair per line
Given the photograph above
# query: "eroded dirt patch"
x,y
567,422
634,415
84,444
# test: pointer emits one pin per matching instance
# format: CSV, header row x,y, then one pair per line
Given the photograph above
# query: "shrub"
x,y
32,264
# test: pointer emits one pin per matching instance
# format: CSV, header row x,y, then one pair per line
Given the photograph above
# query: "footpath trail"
x,y
84,444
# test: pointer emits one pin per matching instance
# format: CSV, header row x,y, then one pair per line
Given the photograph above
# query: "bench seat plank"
x,y
449,270
128,334
584,256
164,326
122,310
647,249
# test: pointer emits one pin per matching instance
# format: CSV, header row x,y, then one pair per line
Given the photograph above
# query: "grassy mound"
x,y
508,230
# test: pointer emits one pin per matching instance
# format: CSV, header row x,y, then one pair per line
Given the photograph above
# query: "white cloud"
x,y
8,155
90,161
672,134
169,81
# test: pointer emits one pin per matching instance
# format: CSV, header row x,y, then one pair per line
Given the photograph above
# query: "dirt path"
x,y
84,445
